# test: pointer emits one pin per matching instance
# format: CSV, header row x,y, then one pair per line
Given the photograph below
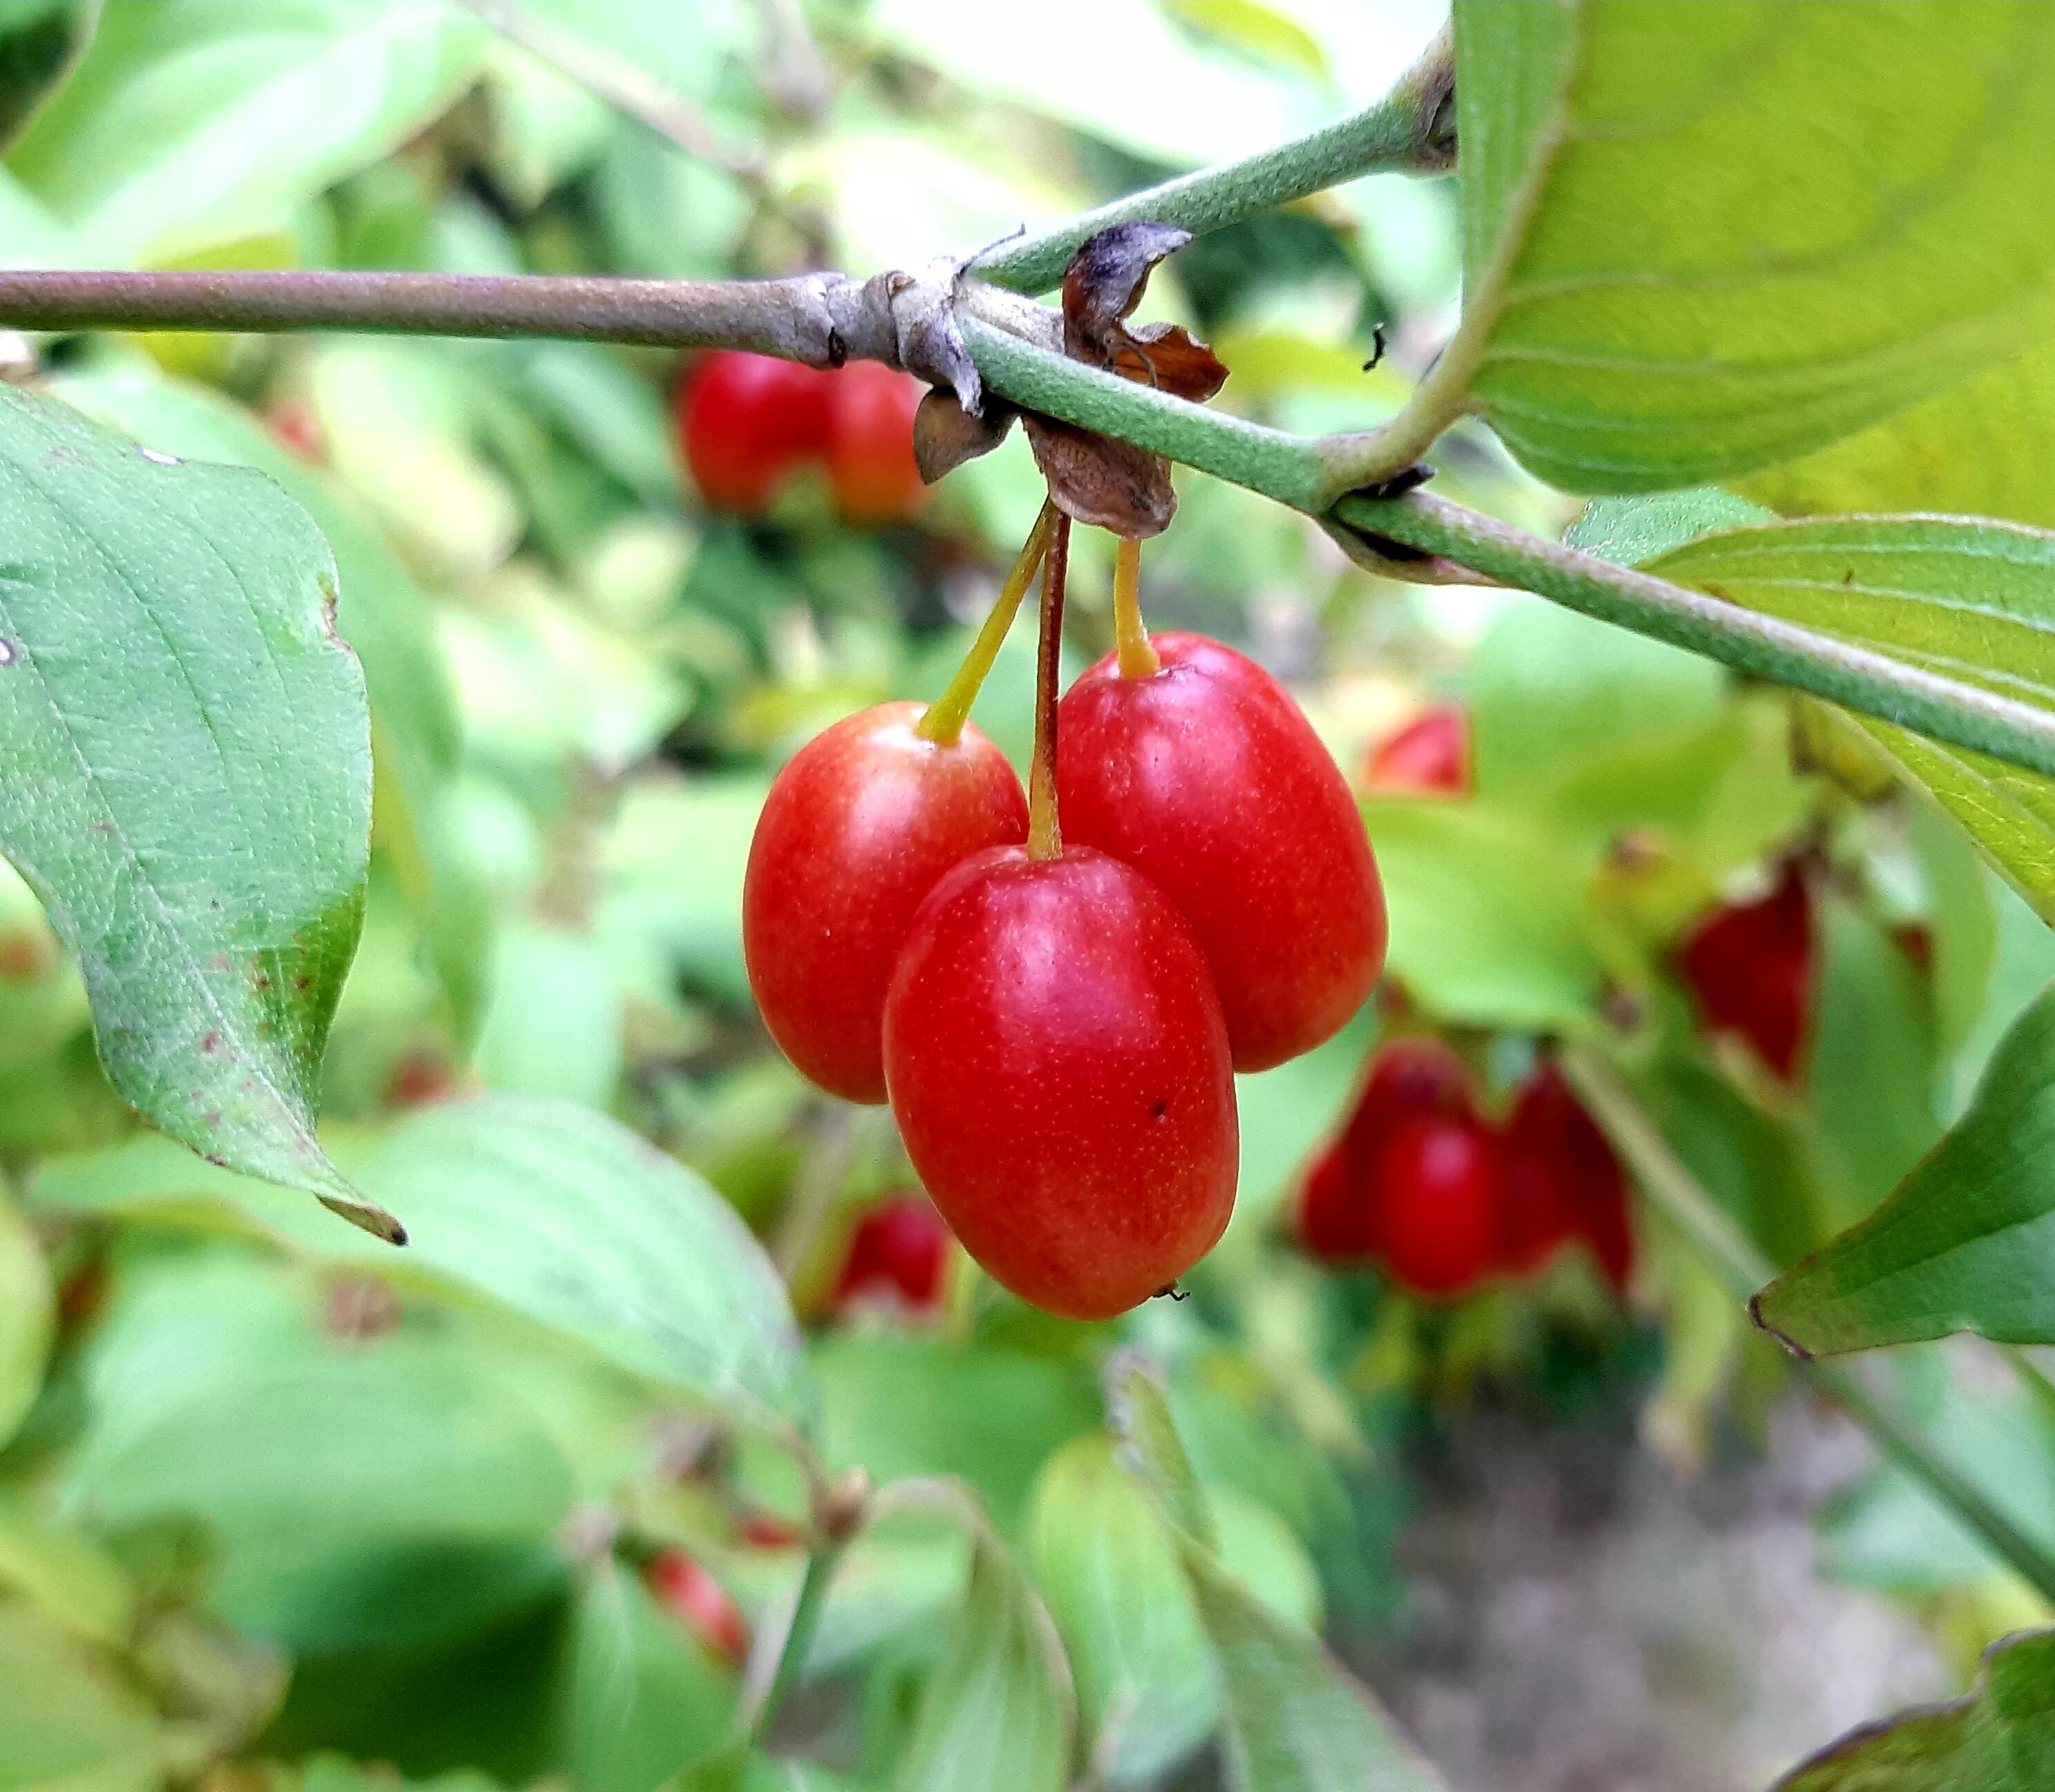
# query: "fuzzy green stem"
x,y
1045,833
1675,1193
1137,656
799,1633
1411,129
944,722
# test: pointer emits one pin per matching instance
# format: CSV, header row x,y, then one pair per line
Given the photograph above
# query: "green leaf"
x,y
1138,1412
191,124
1970,600
1866,187
553,1026
1985,447
1965,1243
2000,1738
1110,1575
996,1715
551,1210
28,1318
188,778
68,1723
70,1578
639,1697
1631,531
39,41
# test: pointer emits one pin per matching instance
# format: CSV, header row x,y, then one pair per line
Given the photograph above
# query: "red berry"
x,y
896,1257
1429,755
1750,966
745,421
702,1602
1563,1181
1207,780
1059,1072
857,828
870,443
766,1530
1434,1180
1338,1208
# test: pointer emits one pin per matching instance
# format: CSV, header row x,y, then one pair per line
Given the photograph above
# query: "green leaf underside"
x,y
996,1714
1964,598
2000,1738
1743,231
187,778
549,1209
1965,1243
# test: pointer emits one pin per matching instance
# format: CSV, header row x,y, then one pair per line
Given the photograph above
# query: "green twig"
x,y
1411,130
1675,1193
799,1631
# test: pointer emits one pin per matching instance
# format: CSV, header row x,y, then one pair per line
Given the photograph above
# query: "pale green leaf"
x,y
190,124
1138,1413
68,1723
551,1210
997,1713
1965,1243
553,1025
28,1317
69,1577
2000,1738
1705,238
188,777
1259,31
1967,599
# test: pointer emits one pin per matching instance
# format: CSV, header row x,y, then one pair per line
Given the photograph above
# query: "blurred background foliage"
x,y
279,1511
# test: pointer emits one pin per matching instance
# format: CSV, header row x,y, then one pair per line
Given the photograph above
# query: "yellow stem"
x,y
1137,658
1045,837
943,723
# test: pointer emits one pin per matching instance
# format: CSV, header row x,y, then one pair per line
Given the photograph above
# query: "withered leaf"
x,y
1103,286
1093,479
945,435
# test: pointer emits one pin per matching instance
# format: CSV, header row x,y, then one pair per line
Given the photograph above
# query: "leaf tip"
x,y
367,1216
1755,1313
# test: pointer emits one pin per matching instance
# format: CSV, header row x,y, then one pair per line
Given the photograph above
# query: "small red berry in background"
x,y
1207,780
746,422
1430,756
857,828
1059,1072
295,427
700,1602
898,1257
1563,1183
870,443
1434,1181
765,1530
1339,1201
1751,965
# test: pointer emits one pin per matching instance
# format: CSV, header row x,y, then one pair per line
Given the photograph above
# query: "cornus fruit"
x,y
870,443
897,1257
1431,756
1434,1180
1751,965
1203,775
700,1602
1060,1070
1562,1183
746,422
857,830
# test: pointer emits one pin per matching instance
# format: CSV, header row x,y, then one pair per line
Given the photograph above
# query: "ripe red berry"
x,y
1751,965
1206,777
1431,756
1059,1072
857,828
1563,1183
1338,1208
746,421
703,1604
870,443
896,1257
1434,1180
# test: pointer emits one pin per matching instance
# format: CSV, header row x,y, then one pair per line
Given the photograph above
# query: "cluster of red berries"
x,y
897,1260
1055,1014
748,422
1419,1182
1751,967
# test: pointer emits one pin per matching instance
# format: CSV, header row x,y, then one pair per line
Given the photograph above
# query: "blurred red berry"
x,y
700,1602
870,443
1562,1183
898,1257
294,426
1335,1218
746,421
419,1079
1434,1181
1429,755
1751,965
766,1530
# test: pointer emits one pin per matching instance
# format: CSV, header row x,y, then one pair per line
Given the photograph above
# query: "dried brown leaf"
x,y
1093,479
945,435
